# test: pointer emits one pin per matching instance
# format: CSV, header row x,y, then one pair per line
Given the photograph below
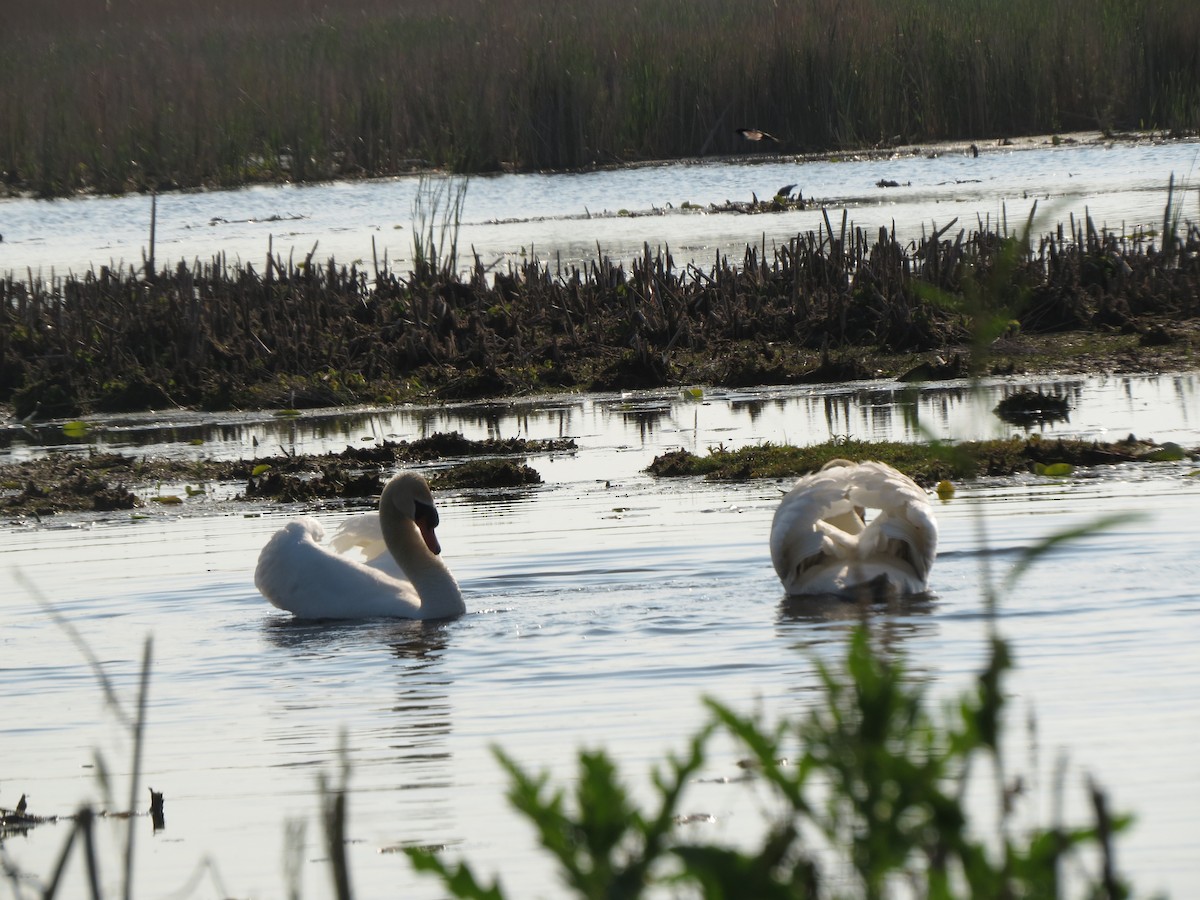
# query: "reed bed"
x,y
303,333
129,94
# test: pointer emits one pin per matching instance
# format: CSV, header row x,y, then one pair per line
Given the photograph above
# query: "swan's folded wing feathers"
x,y
296,573
361,533
805,529
361,538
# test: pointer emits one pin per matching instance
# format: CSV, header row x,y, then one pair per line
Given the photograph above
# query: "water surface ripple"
x,y
603,606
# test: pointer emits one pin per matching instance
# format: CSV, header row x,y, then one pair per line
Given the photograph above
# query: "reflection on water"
x,y
416,640
603,606
1159,407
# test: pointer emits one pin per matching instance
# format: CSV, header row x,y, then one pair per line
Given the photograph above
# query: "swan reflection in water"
x,y
380,565
860,531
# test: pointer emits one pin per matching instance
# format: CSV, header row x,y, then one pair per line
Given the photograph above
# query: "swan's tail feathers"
x,y
908,541
274,576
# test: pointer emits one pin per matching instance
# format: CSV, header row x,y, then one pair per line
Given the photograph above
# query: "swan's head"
x,y
408,493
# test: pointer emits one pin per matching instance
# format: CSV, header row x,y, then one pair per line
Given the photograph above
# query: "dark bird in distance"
x,y
756,134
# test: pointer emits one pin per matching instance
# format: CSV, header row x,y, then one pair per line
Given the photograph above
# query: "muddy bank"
x,y
108,482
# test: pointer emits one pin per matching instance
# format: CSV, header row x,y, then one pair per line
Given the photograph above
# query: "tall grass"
x,y
125,94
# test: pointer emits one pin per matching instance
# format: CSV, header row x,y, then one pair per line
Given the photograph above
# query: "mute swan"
x,y
823,542
296,573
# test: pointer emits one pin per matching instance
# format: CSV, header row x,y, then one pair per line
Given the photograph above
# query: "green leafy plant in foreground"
x,y
878,788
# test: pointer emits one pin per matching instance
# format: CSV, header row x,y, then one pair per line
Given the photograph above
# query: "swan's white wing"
x,y
361,537
815,521
362,532
310,581
909,535
905,527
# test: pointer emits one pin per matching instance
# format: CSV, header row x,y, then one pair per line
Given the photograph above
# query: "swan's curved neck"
x,y
439,592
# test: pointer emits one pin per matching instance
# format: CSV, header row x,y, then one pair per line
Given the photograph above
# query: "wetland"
x,y
592,583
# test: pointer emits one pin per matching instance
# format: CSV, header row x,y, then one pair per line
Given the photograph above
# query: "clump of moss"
x,y
486,473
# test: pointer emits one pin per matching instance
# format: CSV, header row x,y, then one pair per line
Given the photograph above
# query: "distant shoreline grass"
x,y
132,94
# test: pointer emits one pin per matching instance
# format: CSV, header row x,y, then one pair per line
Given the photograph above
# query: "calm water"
x,y
572,217
603,606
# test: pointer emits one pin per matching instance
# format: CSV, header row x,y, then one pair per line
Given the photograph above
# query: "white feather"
x,y
853,528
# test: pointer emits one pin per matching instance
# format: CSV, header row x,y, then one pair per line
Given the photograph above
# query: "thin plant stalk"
x,y
135,775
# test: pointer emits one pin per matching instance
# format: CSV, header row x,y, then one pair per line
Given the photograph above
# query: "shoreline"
x,y
881,151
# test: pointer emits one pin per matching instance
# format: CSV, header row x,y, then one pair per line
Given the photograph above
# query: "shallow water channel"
x,y
603,606
571,218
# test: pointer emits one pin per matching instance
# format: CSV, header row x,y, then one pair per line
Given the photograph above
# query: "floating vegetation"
x,y
928,465
1026,407
486,473
101,482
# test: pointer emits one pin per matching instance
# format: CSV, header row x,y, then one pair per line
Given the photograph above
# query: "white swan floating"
x,y
400,575
824,540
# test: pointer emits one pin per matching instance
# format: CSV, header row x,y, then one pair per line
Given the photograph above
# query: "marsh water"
x,y
571,218
604,604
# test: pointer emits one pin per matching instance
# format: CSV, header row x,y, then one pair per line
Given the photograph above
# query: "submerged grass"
x,y
133,94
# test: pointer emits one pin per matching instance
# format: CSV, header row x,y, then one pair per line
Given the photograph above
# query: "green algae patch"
x,y
927,464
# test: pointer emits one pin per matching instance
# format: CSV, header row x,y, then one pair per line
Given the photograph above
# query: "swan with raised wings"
x,y
402,575
825,539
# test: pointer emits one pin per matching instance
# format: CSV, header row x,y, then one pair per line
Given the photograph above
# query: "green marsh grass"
x,y
131,94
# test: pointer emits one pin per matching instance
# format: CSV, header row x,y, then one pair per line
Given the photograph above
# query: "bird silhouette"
x,y
757,134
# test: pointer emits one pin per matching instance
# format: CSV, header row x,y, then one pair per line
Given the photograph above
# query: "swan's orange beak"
x,y
430,537
425,516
